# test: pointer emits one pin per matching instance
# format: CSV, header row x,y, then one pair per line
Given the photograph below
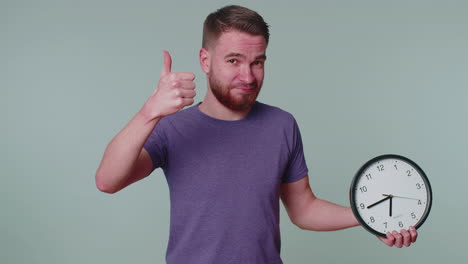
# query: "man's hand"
x,y
175,91
404,238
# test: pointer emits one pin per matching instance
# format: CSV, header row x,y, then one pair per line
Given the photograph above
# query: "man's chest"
x,y
226,162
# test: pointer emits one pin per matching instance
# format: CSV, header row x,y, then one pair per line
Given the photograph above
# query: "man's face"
x,y
236,69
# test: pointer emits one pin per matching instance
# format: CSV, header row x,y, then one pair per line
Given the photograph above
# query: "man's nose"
x,y
246,74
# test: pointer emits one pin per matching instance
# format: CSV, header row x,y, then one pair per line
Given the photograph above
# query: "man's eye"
x,y
233,61
258,63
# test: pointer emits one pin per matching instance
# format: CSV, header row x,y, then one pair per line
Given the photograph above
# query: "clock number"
x,y
400,224
369,176
362,206
385,224
409,173
419,202
363,189
396,168
372,219
418,186
413,215
380,167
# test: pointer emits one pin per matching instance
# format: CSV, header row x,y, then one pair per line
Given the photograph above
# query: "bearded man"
x,y
227,160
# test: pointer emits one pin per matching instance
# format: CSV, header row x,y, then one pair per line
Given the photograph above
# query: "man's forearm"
x,y
122,152
323,215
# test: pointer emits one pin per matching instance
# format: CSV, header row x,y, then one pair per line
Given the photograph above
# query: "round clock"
x,y
390,192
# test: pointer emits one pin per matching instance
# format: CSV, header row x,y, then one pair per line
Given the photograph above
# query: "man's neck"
x,y
213,108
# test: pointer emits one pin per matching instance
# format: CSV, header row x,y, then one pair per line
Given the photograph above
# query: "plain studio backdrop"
x,y
362,78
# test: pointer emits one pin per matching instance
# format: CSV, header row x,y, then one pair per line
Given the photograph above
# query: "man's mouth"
x,y
249,88
246,89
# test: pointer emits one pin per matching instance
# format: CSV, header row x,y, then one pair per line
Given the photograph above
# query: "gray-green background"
x,y
362,78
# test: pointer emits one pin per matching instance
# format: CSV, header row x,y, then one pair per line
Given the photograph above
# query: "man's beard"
x,y
224,96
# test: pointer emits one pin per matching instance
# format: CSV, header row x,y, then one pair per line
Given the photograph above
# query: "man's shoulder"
x,y
274,112
184,117
186,113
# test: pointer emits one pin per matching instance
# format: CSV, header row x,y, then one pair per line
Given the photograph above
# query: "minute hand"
x,y
388,195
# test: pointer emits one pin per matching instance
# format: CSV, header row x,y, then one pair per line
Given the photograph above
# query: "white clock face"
x,y
390,193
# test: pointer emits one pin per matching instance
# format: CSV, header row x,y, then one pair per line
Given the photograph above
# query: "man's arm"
x,y
125,161
308,212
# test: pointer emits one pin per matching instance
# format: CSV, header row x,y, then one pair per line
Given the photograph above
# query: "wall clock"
x,y
390,192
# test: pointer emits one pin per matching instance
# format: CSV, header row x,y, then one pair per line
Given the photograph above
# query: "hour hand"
x,y
380,201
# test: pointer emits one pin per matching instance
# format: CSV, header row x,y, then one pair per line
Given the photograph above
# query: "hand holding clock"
x,y
404,238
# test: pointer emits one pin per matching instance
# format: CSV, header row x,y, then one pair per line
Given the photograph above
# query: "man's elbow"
x,y
306,224
104,185
308,227
300,225
297,222
105,189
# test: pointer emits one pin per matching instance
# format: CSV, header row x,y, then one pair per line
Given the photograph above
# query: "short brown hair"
x,y
233,17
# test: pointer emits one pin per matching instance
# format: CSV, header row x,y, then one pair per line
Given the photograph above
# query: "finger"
x,y
406,237
398,239
186,85
188,93
389,240
188,101
167,63
186,76
182,93
413,233
183,102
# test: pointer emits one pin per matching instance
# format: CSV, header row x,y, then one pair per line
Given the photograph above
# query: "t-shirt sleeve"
x,y
156,144
297,167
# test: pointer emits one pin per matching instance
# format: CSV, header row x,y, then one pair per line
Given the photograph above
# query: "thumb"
x,y
167,63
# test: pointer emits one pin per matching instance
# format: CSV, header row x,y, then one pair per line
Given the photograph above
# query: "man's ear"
x,y
205,60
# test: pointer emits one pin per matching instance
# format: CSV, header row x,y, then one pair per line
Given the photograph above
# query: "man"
x,y
227,160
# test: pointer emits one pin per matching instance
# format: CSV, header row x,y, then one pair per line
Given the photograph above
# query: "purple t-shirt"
x,y
224,180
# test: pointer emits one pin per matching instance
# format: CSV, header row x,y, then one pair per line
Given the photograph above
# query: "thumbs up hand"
x,y
175,91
